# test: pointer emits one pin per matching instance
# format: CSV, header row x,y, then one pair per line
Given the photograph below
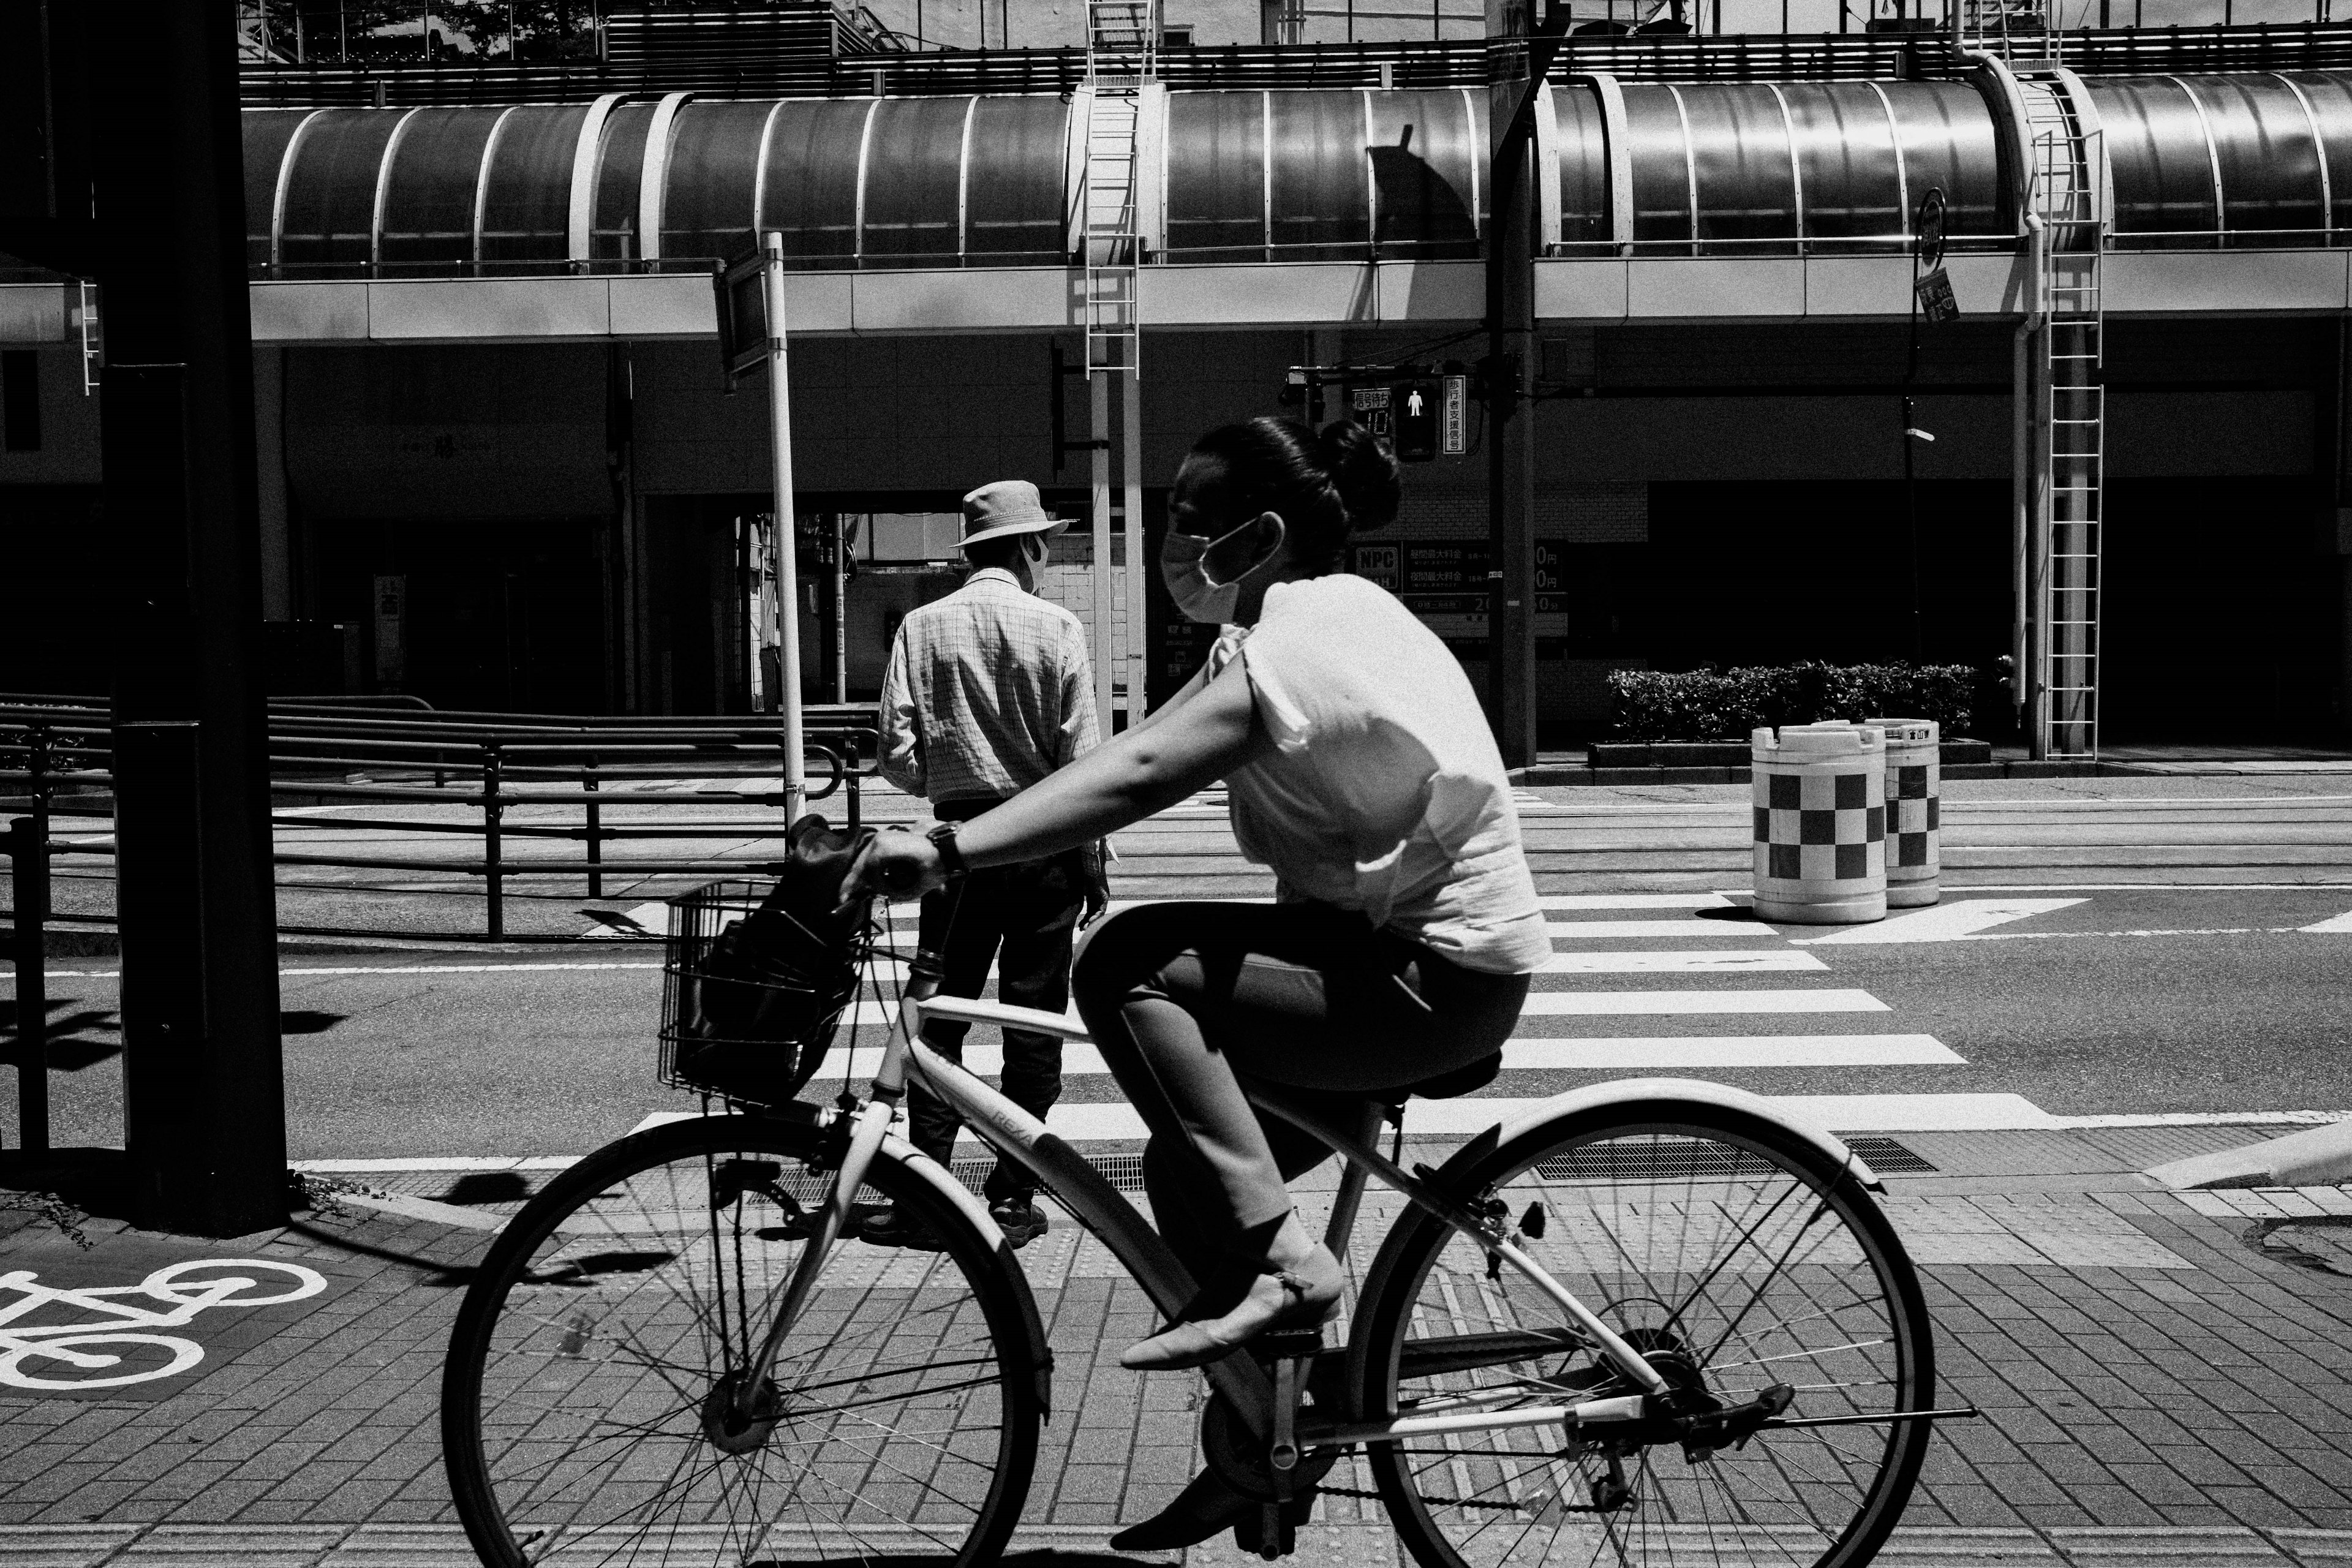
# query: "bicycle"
x,y
101,1346
1648,1321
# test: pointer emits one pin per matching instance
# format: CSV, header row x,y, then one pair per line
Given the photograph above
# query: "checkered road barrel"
x,y
1821,823
1915,776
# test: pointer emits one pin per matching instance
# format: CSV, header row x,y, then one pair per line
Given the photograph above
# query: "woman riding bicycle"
x,y
1360,769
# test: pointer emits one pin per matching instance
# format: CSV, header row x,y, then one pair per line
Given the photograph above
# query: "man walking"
x,y
987,691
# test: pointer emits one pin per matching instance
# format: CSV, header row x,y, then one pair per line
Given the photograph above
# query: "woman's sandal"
x,y
1299,1297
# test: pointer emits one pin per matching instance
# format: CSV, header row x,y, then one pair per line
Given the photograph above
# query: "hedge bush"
x,y
1726,704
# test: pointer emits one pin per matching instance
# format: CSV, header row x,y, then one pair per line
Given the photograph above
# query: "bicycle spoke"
x,y
890,1414
1694,1247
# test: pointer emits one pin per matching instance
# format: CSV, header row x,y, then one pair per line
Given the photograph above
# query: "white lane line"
x,y
384,969
1592,1004
461,1163
1701,931
2335,924
1639,1053
437,1162
1701,962
1633,901
1945,922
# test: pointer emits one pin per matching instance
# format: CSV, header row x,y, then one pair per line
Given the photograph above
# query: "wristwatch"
x,y
943,839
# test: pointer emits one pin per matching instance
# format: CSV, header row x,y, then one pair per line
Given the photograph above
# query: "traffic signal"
x,y
1413,420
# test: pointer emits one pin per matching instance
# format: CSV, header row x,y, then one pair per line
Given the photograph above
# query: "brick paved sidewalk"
x,y
2163,1376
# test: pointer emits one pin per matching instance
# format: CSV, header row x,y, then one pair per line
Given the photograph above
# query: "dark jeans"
x,y
1022,918
1187,1001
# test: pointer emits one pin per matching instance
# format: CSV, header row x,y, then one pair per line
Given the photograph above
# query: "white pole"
x,y
780,538
840,610
1132,438
1099,386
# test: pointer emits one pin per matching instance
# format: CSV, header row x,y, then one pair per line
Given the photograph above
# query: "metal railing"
x,y
55,756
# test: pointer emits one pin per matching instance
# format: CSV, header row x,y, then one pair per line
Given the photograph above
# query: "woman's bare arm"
x,y
1128,778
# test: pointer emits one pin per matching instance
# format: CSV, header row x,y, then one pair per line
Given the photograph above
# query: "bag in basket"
x,y
769,989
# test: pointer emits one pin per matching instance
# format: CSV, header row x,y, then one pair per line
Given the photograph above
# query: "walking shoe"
x,y
1020,1219
895,1227
1203,1508
1301,1297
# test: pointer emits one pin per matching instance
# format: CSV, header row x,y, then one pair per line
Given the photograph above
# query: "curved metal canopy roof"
x,y
1725,168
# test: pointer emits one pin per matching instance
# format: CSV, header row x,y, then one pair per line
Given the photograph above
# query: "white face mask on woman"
x,y
1183,566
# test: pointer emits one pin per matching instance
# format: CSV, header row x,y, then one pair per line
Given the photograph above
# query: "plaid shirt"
x,y
987,691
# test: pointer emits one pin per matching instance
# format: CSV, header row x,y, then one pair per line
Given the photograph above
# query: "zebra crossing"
x,y
1712,935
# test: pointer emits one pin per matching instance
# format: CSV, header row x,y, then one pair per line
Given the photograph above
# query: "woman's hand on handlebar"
x,y
898,865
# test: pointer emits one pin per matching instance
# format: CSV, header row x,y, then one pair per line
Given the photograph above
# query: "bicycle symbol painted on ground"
x,y
105,1345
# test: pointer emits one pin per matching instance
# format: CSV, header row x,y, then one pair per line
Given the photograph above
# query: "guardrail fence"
x,y
463,775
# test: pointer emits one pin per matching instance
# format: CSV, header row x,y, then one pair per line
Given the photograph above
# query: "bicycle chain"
x,y
1451,1501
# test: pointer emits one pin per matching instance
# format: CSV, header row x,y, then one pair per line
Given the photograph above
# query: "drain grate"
x,y
1890,1158
1124,1171
1684,1159
1653,1160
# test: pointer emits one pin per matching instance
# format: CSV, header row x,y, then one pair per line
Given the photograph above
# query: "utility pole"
x,y
1514,96
148,198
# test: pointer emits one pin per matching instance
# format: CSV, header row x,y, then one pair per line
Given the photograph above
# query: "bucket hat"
x,y
1007,506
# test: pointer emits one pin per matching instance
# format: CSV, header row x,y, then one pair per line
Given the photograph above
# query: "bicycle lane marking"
x,y
138,1318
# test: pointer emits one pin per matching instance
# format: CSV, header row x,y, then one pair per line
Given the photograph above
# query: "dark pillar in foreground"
x,y
205,1106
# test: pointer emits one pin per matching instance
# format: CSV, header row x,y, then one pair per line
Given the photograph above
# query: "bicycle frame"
x,y
1100,1207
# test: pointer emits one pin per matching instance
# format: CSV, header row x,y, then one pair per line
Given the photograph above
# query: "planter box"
x,y
1731,753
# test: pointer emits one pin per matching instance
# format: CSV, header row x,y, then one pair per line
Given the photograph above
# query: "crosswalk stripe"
x,y
1835,1112
1596,1004
1703,961
1639,1053
1589,1003
1633,901
1631,1053
1947,923
1700,930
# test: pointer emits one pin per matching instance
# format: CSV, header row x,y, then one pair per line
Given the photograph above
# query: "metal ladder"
x,y
1122,49
2070,429
2018,31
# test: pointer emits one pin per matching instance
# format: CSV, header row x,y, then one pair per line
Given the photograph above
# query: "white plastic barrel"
x,y
1821,823
1915,778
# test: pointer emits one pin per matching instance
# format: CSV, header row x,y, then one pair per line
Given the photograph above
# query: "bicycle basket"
x,y
751,996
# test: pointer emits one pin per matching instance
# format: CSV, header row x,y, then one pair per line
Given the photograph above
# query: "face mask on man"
x,y
1184,567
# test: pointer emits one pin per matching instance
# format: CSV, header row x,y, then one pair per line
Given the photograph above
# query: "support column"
x,y
1130,435
204,1124
277,596
1099,408
1510,438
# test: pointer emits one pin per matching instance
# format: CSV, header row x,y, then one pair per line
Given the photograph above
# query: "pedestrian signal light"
x,y
1413,412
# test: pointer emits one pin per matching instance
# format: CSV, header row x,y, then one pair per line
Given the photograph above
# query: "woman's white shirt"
x,y
1384,792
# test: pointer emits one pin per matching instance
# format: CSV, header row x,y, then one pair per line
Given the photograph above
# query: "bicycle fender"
x,y
1626,1090
936,1176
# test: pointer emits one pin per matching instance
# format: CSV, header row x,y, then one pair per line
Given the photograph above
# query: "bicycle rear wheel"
x,y
586,1405
1736,1256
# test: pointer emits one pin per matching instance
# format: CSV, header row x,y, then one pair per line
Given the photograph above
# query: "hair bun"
x,y
1364,471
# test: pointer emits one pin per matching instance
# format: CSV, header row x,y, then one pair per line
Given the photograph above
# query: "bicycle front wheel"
x,y
593,1407
1737,1258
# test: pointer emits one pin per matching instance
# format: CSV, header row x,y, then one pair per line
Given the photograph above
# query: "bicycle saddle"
x,y
1459,1080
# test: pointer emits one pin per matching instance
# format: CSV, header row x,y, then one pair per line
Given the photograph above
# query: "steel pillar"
x,y
204,1111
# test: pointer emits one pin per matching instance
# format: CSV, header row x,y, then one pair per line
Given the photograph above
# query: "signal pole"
x,y
1513,98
